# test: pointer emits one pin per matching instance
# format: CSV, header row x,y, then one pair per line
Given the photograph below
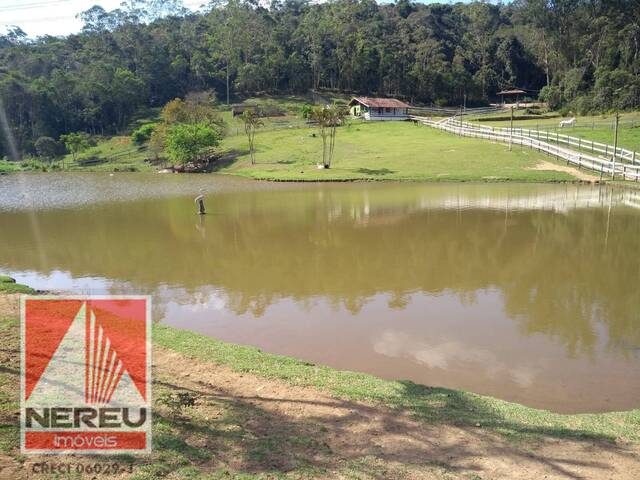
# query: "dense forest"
x,y
580,55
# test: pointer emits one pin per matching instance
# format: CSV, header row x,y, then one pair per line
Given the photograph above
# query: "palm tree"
x,y
328,118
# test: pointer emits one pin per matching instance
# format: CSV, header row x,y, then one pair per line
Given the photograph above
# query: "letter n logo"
x,y
85,374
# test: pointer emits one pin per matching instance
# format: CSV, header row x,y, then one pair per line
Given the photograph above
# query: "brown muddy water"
x,y
530,293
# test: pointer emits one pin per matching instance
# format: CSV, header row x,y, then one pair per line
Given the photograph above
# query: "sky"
x,y
58,17
55,17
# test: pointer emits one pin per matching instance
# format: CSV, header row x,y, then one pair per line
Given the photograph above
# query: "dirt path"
x,y
579,174
244,424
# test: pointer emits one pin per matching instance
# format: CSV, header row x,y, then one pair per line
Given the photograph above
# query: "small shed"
x,y
371,108
240,108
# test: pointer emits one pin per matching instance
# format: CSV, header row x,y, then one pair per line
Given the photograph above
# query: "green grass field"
x,y
599,128
382,151
289,149
8,167
113,154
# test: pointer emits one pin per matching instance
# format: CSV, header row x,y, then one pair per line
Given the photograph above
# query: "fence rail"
x,y
622,154
579,158
450,112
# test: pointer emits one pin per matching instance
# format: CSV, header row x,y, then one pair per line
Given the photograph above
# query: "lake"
x,y
529,293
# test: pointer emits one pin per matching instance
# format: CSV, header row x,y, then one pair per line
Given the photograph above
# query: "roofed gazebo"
x,y
516,92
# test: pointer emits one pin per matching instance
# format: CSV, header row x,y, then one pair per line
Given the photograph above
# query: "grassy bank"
x,y
224,411
9,285
428,403
113,154
383,151
110,154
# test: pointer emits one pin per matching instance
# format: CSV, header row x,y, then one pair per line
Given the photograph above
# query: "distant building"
x,y
239,109
516,92
379,108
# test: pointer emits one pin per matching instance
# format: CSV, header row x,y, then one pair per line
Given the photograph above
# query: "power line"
x,y
41,4
30,6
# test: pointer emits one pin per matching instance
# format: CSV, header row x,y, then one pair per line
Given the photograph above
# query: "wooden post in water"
x,y
200,201
615,148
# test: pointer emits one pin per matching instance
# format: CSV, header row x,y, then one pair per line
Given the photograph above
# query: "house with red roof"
x,y
372,108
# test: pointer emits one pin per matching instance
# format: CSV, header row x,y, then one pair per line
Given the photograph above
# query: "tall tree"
x,y
328,119
252,121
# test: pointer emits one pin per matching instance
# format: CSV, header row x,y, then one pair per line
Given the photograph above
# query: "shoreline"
x,y
428,179
251,359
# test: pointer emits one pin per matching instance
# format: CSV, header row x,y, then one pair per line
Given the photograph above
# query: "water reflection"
x,y
527,292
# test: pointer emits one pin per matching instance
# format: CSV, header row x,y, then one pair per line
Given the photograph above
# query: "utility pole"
x,y
511,129
615,148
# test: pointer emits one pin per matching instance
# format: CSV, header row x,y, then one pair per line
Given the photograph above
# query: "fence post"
x,y
511,130
615,148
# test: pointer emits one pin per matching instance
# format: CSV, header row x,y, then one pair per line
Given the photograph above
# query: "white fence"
x,y
450,112
538,141
622,154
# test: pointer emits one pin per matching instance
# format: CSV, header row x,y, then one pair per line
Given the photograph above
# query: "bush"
x,y
552,95
34,164
306,110
270,108
583,105
615,89
75,142
187,143
46,147
143,134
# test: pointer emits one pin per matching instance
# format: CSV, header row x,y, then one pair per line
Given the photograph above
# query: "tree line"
x,y
580,55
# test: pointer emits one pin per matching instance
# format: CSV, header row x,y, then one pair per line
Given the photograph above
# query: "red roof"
x,y
379,102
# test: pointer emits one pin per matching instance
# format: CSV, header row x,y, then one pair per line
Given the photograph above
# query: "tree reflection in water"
x,y
564,265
